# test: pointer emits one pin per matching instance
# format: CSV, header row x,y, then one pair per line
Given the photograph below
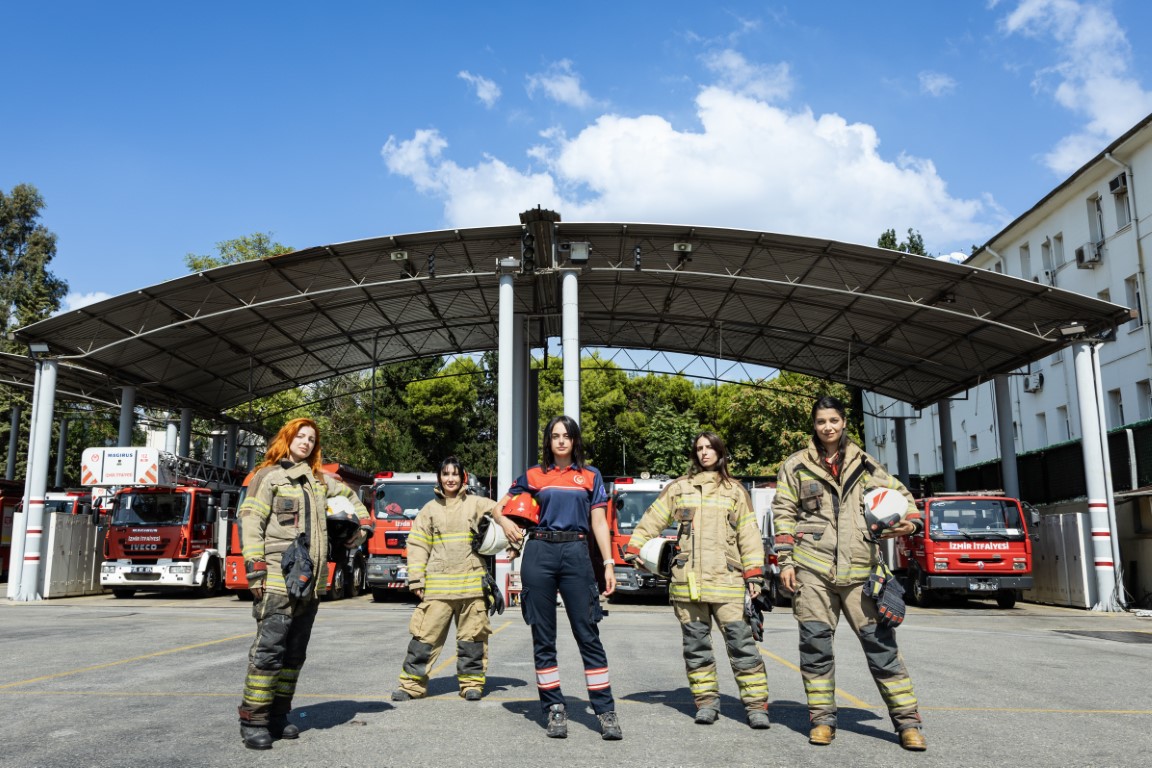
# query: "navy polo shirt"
x,y
566,496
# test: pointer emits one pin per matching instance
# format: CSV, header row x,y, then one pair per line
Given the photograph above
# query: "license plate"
x,y
141,569
983,586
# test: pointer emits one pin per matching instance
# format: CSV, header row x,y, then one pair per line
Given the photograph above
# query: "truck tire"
x,y
356,583
336,588
1006,598
123,592
379,594
915,590
210,587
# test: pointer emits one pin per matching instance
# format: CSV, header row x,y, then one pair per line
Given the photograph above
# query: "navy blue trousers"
x,y
564,568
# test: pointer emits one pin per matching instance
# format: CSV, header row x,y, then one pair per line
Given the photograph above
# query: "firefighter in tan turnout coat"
x,y
826,553
720,560
447,575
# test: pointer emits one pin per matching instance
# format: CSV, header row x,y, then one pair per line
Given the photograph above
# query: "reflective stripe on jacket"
x,y
440,556
720,543
819,518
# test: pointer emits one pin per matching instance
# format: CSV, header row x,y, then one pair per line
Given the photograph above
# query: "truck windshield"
x,y
401,501
150,509
975,519
62,506
631,506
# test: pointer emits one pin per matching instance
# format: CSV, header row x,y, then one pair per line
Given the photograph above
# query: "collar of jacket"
x,y
853,455
296,471
439,492
707,481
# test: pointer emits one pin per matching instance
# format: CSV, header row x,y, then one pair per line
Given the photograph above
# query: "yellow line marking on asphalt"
x,y
124,661
452,658
842,694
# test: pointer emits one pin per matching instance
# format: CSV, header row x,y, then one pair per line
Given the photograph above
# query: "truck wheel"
x,y
920,596
356,583
379,595
211,585
336,588
123,593
1006,598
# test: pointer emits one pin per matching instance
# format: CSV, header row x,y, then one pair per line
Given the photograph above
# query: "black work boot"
x,y
557,722
256,736
282,728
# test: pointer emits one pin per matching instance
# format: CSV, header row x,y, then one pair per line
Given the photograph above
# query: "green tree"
x,y
28,289
245,248
670,436
914,244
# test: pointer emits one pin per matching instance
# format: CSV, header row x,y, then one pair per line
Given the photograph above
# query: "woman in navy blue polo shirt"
x,y
572,507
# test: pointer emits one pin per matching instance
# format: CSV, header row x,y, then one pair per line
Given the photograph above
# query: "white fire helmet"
x,y
883,507
343,522
656,555
490,538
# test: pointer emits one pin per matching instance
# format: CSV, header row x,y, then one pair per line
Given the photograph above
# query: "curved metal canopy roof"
x,y
909,327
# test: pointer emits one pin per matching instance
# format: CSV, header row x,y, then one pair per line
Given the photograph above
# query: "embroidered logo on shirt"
x,y
578,479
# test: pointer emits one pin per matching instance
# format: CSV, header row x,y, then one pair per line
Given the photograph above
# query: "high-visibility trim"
x,y
548,678
597,679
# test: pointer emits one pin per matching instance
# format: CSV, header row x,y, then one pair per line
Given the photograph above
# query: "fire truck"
x,y
68,502
973,545
762,493
168,523
628,500
347,570
11,499
396,498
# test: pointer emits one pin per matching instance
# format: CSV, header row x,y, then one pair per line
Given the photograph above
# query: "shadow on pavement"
x,y
329,714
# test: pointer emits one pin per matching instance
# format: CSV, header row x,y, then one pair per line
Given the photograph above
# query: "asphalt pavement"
x,y
154,680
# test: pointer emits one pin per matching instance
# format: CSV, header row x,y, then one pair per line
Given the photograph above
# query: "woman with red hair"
x,y
284,535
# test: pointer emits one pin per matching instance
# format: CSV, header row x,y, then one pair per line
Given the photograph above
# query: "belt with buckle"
x,y
557,536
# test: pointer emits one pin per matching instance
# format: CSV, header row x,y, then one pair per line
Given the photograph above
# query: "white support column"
x,y
13,442
20,519
171,438
520,424
505,405
185,447
39,444
1109,491
1008,471
127,415
570,342
947,451
1092,443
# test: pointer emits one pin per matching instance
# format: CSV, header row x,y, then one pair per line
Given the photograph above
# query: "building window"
x,y
1057,249
1144,399
973,443
1026,262
1042,429
1062,417
1132,297
1115,408
1058,356
1119,189
916,463
1095,219
997,267
1046,262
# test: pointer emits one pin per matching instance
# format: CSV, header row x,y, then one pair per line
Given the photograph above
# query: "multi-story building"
x,y
1089,235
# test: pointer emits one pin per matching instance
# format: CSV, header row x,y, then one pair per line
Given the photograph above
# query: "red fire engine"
x,y
397,497
167,527
347,570
628,500
973,545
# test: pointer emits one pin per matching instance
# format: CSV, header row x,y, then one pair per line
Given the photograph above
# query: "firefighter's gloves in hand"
x,y
755,587
886,590
257,571
298,569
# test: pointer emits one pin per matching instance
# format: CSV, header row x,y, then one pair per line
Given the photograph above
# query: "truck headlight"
x,y
181,569
107,569
941,565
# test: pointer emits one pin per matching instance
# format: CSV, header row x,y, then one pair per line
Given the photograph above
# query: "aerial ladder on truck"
x,y
168,522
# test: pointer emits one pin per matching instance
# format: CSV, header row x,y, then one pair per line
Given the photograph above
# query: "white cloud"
x,y
560,83
736,73
77,300
751,165
486,90
1092,77
936,83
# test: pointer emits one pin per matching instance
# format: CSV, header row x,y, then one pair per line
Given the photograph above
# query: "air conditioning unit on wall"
x,y
1033,382
1089,255
1119,185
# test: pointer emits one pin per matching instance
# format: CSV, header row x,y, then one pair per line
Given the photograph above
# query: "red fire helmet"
x,y
523,510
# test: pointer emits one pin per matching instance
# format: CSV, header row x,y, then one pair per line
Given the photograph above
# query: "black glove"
x,y
298,569
754,617
492,597
257,571
891,604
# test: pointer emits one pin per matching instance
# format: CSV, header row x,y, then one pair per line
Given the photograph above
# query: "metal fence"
x,y
1056,473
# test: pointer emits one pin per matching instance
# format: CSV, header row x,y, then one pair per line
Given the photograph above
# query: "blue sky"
x,y
158,129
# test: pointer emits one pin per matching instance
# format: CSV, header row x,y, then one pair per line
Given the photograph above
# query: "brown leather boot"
x,y
821,735
912,739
